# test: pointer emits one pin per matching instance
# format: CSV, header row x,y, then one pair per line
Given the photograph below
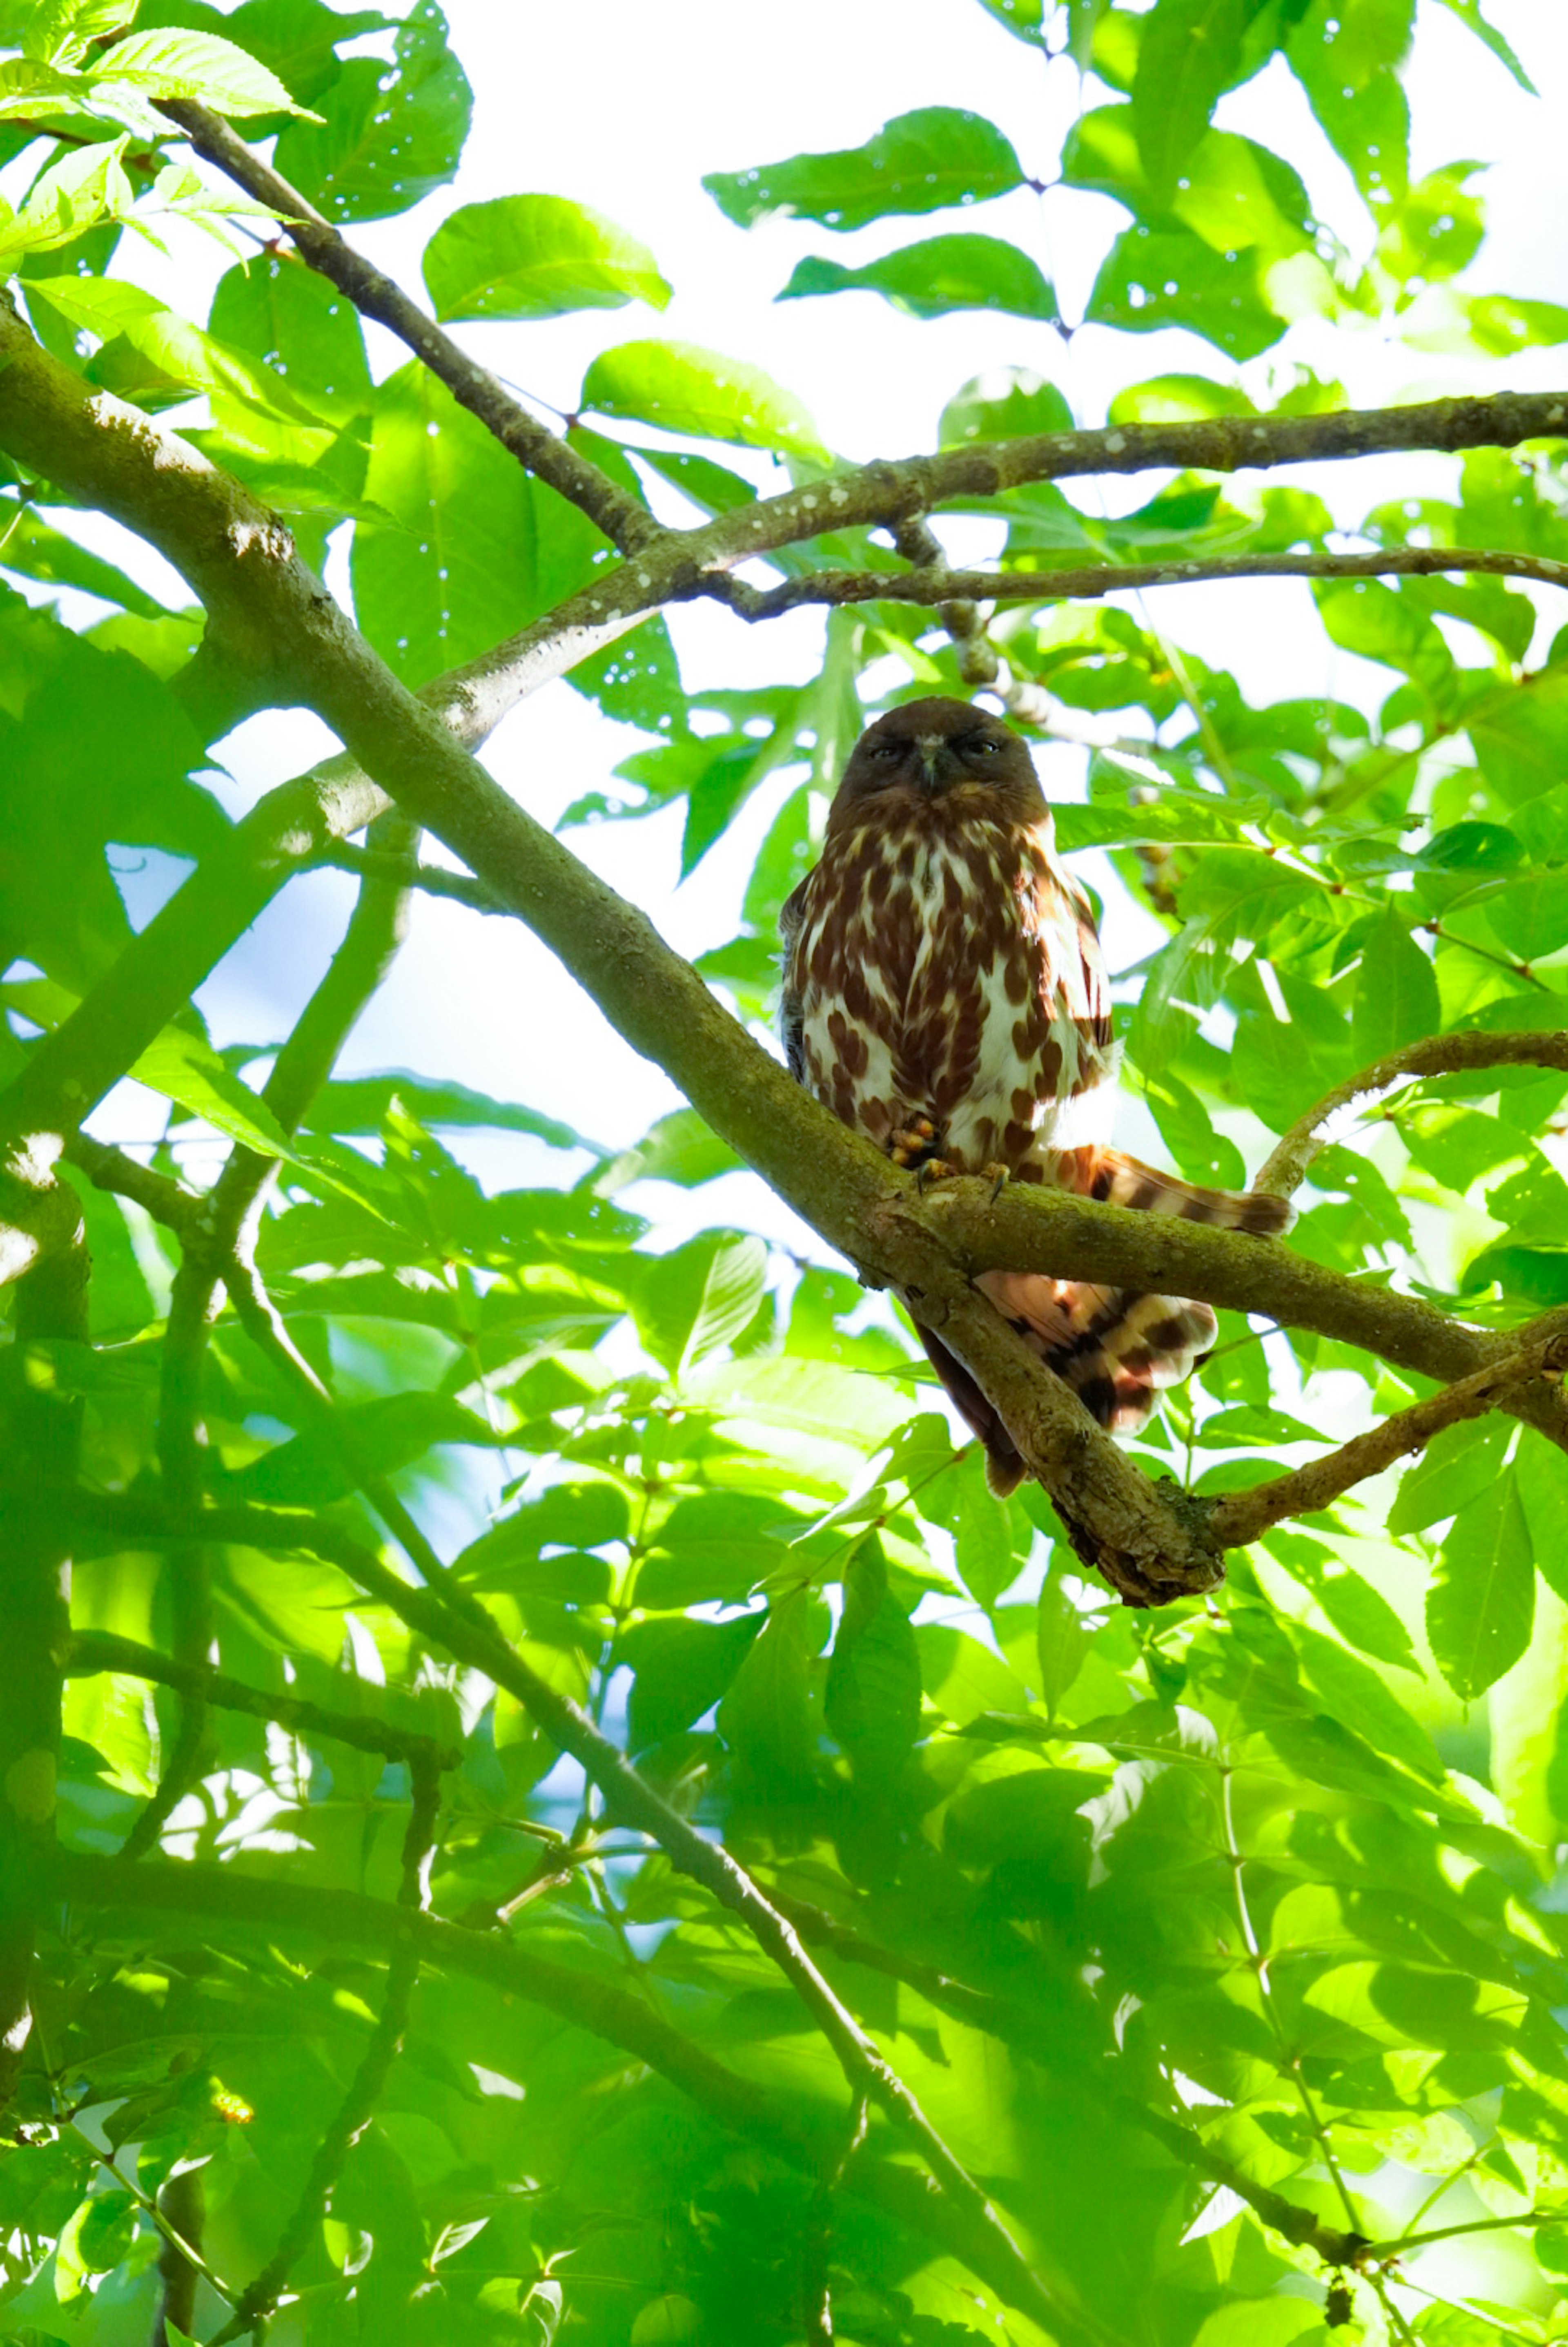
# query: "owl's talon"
x,y
914,1143
935,1169
999,1177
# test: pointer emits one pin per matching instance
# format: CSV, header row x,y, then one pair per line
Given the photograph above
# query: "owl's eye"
x,y
885,749
981,748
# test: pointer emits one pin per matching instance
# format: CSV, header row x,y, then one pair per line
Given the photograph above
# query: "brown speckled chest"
x,y
947,970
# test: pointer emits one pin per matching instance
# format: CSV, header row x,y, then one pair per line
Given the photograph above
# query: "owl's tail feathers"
x,y
1117,1351
1122,1181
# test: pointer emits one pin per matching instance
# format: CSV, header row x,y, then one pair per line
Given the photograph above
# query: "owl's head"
x,y
938,754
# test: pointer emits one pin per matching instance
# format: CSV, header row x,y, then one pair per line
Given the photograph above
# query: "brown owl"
x,y
945,992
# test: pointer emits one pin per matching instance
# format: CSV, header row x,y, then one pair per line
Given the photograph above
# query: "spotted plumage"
x,y
945,992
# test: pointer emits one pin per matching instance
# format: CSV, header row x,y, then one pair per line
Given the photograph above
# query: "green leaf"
x,y
1457,1466
174,64
1023,18
873,1698
918,162
1172,278
1482,1596
1178,399
190,1073
34,548
1062,1638
1540,1473
1363,616
278,312
385,141
765,1716
691,1303
1007,403
944,274
359,1104
681,1669
1397,997
682,388
1188,53
458,572
536,257
1345,59
1468,12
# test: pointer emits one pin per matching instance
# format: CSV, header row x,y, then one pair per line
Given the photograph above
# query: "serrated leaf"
x,y
171,63
536,257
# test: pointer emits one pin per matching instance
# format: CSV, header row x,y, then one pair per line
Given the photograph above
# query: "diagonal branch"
x,y
1285,1168
626,523
961,590
93,1651
1243,1516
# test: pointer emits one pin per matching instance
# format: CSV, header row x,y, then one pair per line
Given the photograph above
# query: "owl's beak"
x,y
934,760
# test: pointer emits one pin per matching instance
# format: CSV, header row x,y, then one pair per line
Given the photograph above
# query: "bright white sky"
x,y
625,109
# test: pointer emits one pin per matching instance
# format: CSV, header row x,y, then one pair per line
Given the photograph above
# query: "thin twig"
x,y
166,1201
1086,583
93,1651
624,522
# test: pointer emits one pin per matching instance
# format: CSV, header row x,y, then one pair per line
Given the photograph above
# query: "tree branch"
x,y
1285,1168
167,1201
431,879
1243,1516
583,2002
626,523
92,1651
1030,1228
961,590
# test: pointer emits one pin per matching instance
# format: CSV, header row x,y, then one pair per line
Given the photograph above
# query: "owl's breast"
x,y
937,972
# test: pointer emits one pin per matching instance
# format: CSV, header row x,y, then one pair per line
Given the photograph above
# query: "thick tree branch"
x,y
450,1619
959,590
804,2141
1030,1229
624,522
1285,1168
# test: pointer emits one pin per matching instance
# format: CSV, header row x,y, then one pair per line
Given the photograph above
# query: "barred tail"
x,y
1121,1181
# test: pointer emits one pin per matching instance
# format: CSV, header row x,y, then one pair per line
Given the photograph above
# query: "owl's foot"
x,y
999,1177
934,1169
915,1142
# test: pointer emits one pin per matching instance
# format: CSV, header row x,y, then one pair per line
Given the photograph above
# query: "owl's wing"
x,y
792,1011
